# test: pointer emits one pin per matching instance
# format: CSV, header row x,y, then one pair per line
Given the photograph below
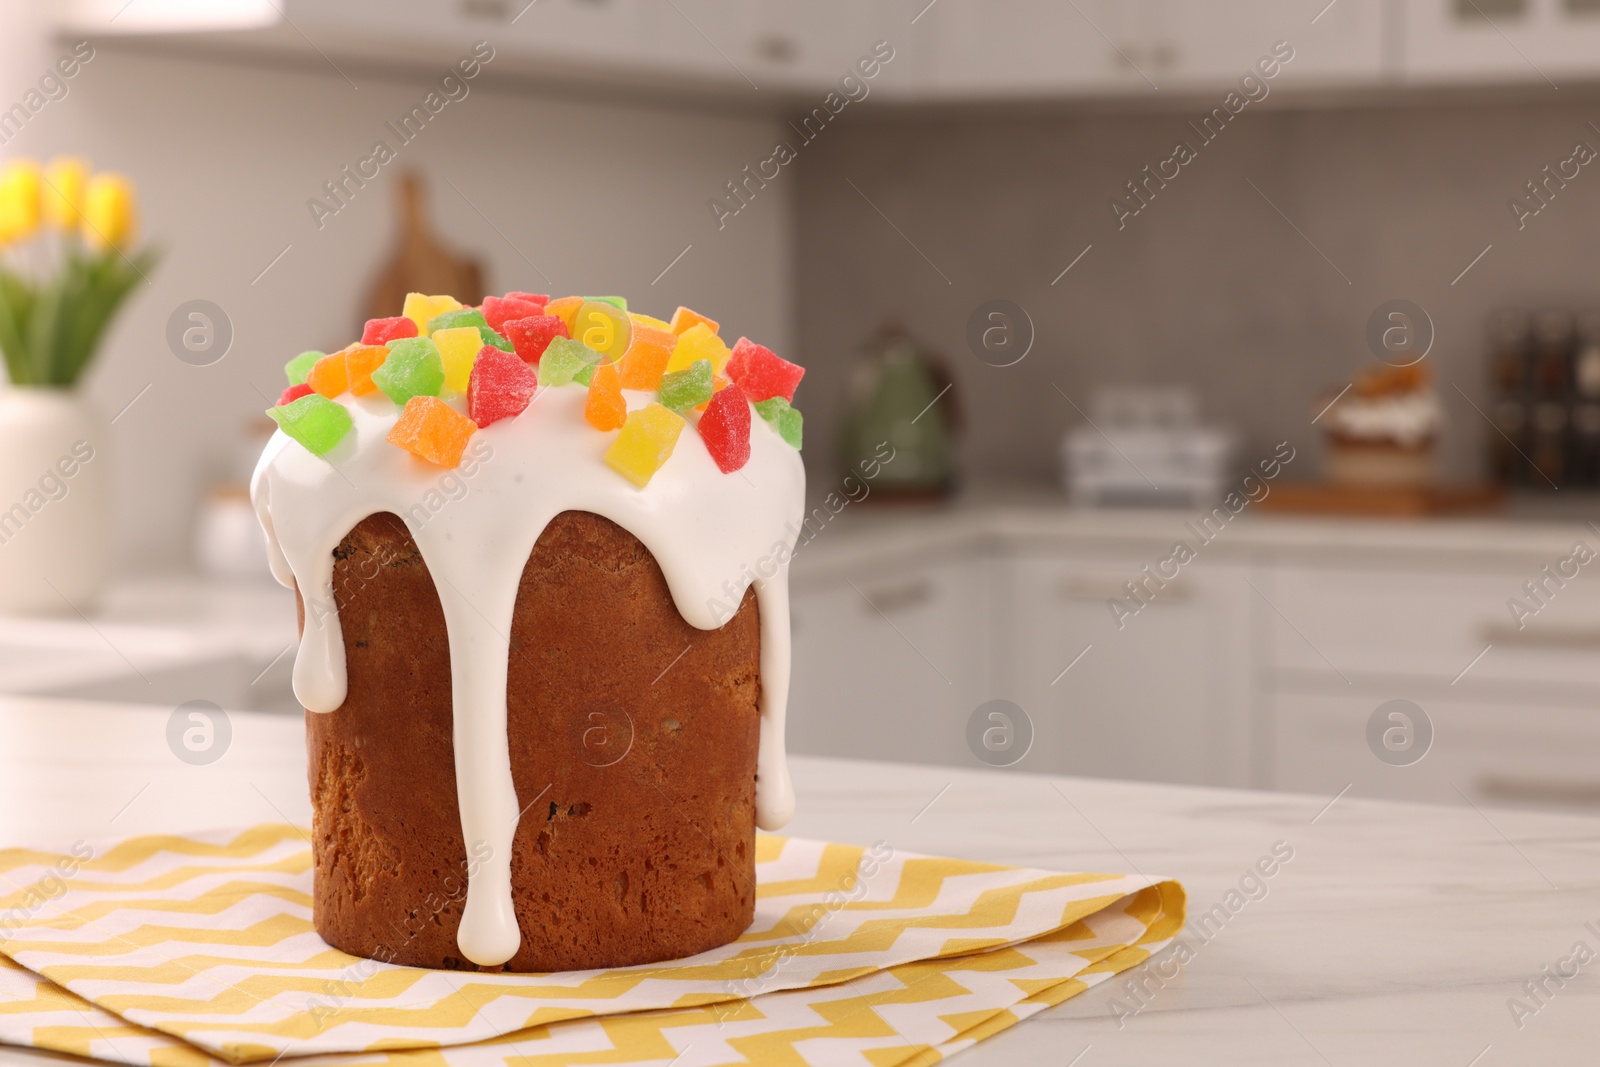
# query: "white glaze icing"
x,y
1408,419
710,533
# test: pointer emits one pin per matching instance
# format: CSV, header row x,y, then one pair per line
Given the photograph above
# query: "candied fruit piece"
x,y
618,302
563,360
760,374
699,342
564,308
458,316
422,309
501,386
603,328
431,429
651,321
382,331
329,375
412,369
294,392
649,350
605,409
783,418
360,361
300,366
458,347
315,421
532,298
718,384
683,389
531,336
645,443
725,427
497,311
683,319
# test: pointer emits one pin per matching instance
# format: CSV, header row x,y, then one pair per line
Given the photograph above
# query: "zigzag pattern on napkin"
x,y
208,940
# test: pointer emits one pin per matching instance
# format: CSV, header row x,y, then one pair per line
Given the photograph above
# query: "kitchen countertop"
x,y
1531,530
1394,935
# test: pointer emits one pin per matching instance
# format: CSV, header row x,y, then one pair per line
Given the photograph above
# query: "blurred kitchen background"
x,y
1090,267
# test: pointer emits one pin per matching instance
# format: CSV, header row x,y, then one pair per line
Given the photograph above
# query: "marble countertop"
x,y
1395,934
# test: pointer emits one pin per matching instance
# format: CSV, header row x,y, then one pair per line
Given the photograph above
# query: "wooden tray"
x,y
1326,498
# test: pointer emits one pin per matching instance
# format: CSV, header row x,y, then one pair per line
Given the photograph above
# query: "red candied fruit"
x,y
293,393
382,331
760,374
532,335
497,310
533,298
725,428
501,386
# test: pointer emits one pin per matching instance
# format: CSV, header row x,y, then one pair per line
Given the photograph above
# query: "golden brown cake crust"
x,y
636,768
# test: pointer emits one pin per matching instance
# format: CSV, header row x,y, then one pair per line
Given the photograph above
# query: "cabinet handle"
x,y
1538,790
1099,586
892,598
1542,637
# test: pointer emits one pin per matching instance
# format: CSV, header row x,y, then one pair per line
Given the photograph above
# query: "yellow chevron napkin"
x,y
199,950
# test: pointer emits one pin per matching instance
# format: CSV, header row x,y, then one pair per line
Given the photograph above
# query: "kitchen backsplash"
x,y
1250,276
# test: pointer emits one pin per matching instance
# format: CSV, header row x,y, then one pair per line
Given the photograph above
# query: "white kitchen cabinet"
x,y
1033,48
1431,623
1167,697
1143,48
890,661
1492,753
1476,41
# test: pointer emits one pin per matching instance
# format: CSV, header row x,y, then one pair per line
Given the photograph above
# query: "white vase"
x,y
54,506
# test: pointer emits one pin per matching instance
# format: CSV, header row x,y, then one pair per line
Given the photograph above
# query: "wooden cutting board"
x,y
1326,498
420,263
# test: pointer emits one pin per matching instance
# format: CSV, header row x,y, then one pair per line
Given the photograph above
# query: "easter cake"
x,y
538,548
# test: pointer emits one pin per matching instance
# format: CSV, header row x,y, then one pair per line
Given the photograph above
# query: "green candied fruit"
x,y
449,320
492,338
585,374
681,390
413,368
785,419
315,421
300,366
564,360
618,302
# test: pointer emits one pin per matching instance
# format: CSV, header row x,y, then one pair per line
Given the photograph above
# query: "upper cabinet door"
x,y
1216,44
1148,48
1477,41
1035,48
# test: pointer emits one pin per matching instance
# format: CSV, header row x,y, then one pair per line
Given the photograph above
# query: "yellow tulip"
x,y
19,200
109,213
63,192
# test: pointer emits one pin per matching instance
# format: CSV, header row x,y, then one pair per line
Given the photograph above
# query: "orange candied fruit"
x,y
360,361
431,429
329,375
605,409
646,360
565,308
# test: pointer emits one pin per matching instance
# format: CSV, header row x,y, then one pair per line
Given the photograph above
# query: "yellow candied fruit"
x,y
458,350
645,443
699,342
421,309
650,322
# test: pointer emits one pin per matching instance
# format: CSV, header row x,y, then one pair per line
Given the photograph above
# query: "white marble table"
x,y
1395,935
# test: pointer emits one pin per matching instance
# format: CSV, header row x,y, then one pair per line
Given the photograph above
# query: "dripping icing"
x,y
693,519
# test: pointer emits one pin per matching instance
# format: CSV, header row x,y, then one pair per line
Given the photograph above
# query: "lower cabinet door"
x,y
1160,695
1440,751
888,664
